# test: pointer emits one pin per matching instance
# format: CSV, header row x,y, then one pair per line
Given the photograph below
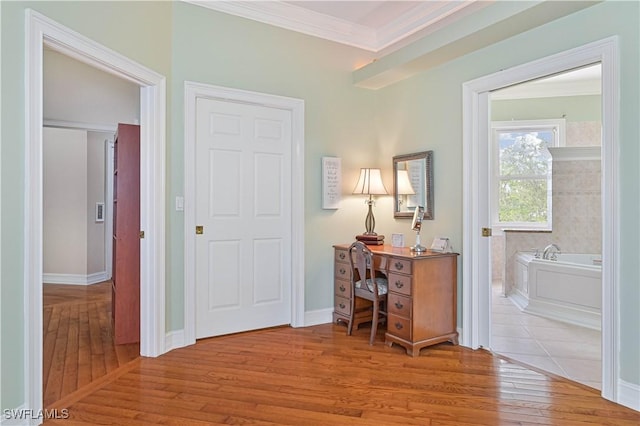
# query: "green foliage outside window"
x,y
523,201
525,168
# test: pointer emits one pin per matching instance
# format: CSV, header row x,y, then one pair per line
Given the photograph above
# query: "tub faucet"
x,y
551,252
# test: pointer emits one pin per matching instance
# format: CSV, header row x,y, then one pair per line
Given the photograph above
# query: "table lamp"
x,y
370,183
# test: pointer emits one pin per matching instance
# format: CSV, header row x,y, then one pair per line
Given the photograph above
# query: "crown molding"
x,y
421,16
300,19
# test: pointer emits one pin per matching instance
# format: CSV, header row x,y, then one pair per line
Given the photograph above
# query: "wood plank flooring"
x,y
78,343
319,376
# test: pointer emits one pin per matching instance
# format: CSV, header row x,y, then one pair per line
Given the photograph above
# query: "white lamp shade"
x,y
370,183
404,184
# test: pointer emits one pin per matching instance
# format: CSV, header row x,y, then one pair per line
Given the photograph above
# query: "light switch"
x,y
179,204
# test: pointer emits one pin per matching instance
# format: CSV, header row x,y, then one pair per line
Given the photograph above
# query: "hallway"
x,y
78,343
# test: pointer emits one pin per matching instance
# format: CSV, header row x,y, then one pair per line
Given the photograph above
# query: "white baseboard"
x,y
174,340
321,316
75,279
629,395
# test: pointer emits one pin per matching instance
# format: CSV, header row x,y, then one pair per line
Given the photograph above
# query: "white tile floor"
x,y
566,350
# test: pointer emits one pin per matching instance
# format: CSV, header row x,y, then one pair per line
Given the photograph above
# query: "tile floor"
x,y
566,350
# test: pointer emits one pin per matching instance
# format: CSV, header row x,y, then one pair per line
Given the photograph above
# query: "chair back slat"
x,y
364,284
361,260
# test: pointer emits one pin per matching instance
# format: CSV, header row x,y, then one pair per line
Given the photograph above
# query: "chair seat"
x,y
383,285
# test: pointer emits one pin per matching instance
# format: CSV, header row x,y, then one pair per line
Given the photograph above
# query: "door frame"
x,y
192,91
42,31
476,283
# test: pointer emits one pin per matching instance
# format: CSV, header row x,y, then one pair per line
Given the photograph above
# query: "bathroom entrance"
x,y
476,265
546,148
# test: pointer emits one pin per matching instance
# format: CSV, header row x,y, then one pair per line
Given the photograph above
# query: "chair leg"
x,y
374,322
351,316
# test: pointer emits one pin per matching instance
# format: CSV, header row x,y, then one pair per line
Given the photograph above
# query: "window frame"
x,y
557,127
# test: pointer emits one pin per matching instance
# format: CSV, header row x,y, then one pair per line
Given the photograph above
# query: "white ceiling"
x,y
370,25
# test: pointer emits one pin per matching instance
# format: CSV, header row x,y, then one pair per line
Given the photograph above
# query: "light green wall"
x,y
139,30
215,48
185,42
425,112
572,108
364,128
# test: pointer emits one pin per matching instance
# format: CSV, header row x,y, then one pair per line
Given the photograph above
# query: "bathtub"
x,y
568,289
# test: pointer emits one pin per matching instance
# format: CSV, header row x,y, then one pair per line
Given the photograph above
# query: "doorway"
x,y
243,209
476,253
43,31
546,143
294,268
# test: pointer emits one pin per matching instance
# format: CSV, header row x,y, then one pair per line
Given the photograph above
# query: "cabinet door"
x,y
126,235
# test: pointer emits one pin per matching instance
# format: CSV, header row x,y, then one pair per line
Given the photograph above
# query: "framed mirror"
x,y
413,184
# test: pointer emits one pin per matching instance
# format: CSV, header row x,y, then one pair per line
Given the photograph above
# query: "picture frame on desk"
x,y
441,244
397,240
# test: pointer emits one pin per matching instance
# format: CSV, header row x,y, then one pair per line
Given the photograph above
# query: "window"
x,y
522,172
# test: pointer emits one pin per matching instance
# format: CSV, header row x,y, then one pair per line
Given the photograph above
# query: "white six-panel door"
x,y
243,203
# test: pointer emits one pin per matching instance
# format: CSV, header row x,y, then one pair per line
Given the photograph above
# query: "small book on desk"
x,y
371,240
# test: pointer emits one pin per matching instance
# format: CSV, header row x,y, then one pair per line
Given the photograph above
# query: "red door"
x,y
125,301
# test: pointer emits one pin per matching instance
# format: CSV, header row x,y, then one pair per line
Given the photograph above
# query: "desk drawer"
x,y
342,271
399,326
342,305
341,256
342,288
399,305
400,265
400,284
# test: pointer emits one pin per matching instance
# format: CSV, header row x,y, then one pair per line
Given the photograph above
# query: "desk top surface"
x,y
405,252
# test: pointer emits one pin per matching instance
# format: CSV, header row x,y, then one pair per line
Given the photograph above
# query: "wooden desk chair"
x,y
367,284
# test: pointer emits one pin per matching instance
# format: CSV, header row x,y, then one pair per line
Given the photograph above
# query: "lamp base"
x,y
371,240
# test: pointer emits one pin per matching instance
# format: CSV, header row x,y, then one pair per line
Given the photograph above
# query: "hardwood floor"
x,y
319,376
78,343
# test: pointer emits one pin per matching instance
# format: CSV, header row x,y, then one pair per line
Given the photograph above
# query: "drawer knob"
x,y
399,266
342,288
342,306
342,271
399,305
341,256
399,284
399,326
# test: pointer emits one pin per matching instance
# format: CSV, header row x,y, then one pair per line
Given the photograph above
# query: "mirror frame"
x,y
427,203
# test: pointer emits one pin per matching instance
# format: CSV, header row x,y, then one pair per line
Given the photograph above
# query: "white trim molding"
x,y
173,340
75,279
575,153
476,280
317,317
192,91
89,127
629,395
304,20
43,31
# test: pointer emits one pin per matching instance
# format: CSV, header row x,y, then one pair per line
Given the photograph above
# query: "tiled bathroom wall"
x,y
577,208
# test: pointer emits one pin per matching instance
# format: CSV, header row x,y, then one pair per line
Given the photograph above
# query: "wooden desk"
x,y
422,298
